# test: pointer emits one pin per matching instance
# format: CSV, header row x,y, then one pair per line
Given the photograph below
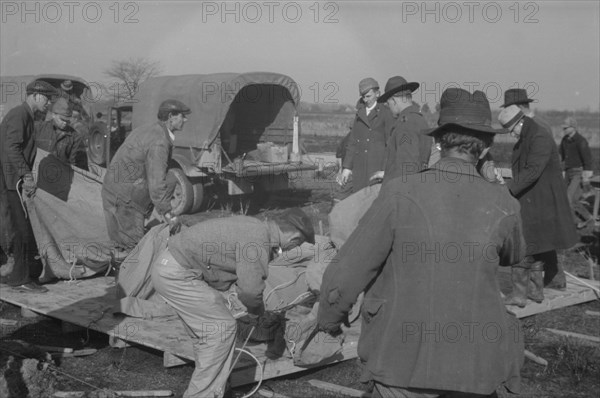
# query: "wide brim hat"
x,y
62,107
515,96
460,108
395,85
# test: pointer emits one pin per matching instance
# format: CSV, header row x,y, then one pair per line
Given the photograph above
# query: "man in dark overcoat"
x,y
519,97
136,180
17,154
365,153
426,255
408,150
538,185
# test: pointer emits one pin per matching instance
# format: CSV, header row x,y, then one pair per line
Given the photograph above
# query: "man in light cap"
x,y
136,180
365,151
211,257
17,154
408,150
547,223
57,137
576,156
415,290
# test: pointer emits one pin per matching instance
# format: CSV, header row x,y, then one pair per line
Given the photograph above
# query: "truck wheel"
x,y
198,191
183,194
97,147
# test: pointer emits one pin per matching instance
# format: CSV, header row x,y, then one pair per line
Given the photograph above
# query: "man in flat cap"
x,y
407,151
17,154
547,223
208,258
576,157
365,151
518,97
57,137
136,180
426,255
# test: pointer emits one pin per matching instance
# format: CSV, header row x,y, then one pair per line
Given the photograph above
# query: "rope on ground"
x,y
283,285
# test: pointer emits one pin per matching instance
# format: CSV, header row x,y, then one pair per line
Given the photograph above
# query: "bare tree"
x,y
130,73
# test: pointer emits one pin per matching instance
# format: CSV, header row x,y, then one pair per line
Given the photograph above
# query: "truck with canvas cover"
x,y
242,135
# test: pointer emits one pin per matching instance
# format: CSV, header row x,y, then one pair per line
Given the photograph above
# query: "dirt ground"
x,y
573,368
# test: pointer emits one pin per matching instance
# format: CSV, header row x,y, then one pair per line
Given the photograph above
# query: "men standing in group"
x,y
576,156
408,150
547,223
17,154
208,258
136,180
427,310
57,137
365,152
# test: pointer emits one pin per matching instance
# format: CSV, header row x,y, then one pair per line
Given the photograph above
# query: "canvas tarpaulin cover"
x,y
68,222
269,99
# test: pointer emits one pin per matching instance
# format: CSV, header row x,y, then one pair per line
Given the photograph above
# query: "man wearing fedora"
x,y
422,256
547,223
408,151
57,137
576,156
518,97
17,154
365,152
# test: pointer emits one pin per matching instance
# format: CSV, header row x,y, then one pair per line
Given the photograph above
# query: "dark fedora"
x,y
460,108
395,85
514,96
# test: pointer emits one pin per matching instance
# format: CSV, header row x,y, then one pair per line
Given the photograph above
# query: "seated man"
x,y
209,257
59,138
426,255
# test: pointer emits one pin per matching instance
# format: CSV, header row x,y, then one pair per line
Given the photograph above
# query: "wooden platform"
x,y
88,303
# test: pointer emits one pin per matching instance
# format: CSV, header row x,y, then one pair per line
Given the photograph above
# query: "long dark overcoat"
x,y
366,149
538,184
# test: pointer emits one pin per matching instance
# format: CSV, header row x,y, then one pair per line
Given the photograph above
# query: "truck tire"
x,y
97,147
198,192
183,194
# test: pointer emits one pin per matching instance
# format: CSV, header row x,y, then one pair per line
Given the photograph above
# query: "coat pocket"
x,y
371,308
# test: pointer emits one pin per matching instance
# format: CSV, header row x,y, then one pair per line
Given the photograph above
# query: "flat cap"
x,y
367,84
299,219
570,122
173,105
41,87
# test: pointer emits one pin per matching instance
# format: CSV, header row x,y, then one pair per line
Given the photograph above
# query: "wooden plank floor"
x,y
88,303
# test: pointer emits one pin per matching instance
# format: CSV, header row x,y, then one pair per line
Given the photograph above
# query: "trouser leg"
x,y
23,243
554,275
204,313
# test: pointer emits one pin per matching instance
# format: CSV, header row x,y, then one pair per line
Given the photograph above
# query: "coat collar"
x,y
450,165
166,131
361,113
28,108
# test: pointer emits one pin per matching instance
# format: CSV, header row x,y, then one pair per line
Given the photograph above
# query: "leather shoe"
x,y
30,287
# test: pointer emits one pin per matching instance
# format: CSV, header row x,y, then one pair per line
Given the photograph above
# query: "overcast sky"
x,y
552,48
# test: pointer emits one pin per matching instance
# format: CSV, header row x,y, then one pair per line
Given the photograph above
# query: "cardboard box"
x,y
272,153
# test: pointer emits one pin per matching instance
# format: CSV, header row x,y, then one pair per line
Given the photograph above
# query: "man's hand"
x,y
586,176
335,328
29,185
174,223
376,177
343,177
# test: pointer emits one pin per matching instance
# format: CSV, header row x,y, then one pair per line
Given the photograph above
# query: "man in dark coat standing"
x,y
518,97
17,154
538,185
365,152
426,255
408,150
136,180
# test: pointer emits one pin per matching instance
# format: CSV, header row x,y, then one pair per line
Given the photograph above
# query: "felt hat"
x,y
367,84
40,87
61,107
514,96
509,116
570,122
395,85
67,85
172,105
460,108
299,219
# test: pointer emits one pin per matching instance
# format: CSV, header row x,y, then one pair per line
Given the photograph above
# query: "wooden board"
x,y
88,303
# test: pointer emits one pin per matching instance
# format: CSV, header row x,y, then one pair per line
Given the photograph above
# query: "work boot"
x,y
520,280
535,289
